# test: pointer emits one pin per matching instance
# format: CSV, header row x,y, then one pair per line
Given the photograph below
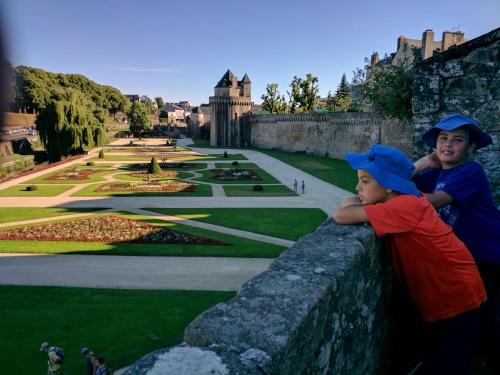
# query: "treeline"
x,y
72,111
32,90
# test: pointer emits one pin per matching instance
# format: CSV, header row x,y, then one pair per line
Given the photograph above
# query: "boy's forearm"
x,y
353,214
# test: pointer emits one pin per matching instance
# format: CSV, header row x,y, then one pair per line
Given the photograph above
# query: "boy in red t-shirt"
x,y
433,265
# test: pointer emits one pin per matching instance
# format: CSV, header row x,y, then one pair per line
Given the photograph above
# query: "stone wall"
x,y
464,80
326,134
321,307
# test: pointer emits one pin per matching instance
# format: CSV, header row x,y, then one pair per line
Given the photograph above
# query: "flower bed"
x,y
226,174
74,174
165,165
163,174
41,168
168,186
107,228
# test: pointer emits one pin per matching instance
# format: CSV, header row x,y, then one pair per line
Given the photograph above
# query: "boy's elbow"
x,y
339,218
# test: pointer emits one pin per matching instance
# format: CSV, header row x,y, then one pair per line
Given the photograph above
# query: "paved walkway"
x,y
189,273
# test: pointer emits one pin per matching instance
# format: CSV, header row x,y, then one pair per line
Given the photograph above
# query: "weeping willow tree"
x,y
71,124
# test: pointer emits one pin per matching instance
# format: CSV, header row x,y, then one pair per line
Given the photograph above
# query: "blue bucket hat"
x,y
452,122
389,166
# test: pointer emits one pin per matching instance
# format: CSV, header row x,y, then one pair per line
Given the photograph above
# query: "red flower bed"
x,y
74,174
165,165
168,186
159,175
107,228
235,174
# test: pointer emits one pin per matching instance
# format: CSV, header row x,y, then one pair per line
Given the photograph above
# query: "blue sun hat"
x,y
452,122
389,166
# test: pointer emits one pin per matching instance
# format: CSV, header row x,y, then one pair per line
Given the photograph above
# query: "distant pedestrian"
x,y
90,361
303,187
54,360
101,367
295,184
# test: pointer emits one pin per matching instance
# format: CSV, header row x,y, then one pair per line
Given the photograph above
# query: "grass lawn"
x,y
43,191
287,223
119,325
238,246
92,177
11,214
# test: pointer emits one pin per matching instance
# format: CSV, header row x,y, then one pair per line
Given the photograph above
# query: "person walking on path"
x,y
54,360
303,187
90,361
101,367
295,184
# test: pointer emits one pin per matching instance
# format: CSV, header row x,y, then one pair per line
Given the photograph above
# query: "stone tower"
x,y
232,98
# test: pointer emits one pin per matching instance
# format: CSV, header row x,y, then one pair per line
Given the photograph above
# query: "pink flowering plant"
x,y
107,228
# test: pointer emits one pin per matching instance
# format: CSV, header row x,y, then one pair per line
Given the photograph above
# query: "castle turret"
x,y
232,99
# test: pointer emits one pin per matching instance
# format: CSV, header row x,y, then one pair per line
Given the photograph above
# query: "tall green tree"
x,y
139,118
272,101
303,94
116,101
389,91
159,102
70,124
343,90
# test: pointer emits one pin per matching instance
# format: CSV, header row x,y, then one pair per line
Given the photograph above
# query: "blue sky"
x,y
179,50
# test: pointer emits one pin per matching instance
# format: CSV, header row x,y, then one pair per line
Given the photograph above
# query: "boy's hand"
x,y
430,161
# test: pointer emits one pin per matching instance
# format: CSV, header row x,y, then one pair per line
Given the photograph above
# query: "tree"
x,y
389,91
70,125
116,101
154,167
139,119
273,102
303,94
343,90
159,102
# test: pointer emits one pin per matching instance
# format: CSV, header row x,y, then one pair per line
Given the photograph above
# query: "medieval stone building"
x,y
232,98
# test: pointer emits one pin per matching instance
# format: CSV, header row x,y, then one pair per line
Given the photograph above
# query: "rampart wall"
x,y
321,307
326,134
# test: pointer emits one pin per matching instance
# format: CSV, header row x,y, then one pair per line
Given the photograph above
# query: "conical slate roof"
x,y
226,80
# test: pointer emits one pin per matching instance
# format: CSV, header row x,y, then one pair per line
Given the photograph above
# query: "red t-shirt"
x,y
432,263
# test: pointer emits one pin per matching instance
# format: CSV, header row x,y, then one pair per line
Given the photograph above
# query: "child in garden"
x,y
433,265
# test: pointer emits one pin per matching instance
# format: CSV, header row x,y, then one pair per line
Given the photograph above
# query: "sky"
x,y
180,50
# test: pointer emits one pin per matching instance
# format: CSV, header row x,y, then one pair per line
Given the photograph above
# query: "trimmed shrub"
x,y
236,164
90,163
225,155
258,188
101,154
32,188
154,168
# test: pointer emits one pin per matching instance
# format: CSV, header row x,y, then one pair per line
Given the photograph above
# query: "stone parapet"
x,y
321,307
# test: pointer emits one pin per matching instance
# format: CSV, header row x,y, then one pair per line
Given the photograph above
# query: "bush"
x,y
32,188
90,163
258,188
235,164
101,154
154,168
225,155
